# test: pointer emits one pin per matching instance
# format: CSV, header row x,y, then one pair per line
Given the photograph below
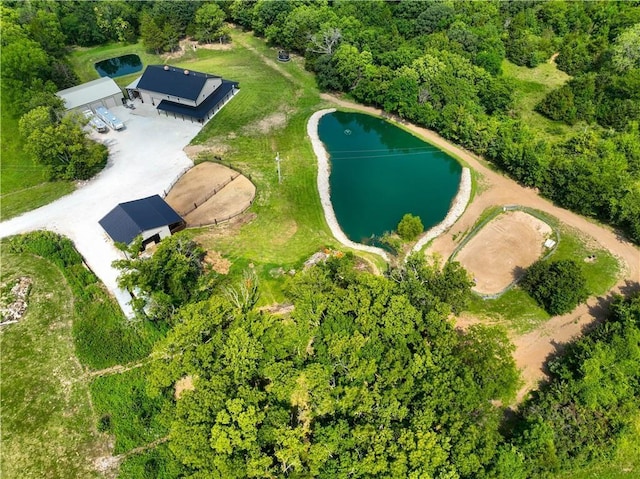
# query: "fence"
x,y
210,195
493,215
175,180
217,221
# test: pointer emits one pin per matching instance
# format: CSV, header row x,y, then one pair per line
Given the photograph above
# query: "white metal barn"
x,y
88,96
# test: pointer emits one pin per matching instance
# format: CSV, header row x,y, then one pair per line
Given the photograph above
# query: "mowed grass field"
x,y
531,86
268,116
48,424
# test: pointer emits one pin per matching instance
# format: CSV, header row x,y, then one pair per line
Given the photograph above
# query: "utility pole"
x,y
278,163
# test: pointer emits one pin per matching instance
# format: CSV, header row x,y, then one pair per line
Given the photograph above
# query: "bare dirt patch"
x,y
269,123
218,263
209,193
189,46
197,152
502,249
182,385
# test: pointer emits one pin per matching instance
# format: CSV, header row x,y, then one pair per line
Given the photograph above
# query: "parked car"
x,y
109,118
95,122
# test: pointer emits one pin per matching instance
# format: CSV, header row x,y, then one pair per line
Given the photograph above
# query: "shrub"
x,y
410,227
557,286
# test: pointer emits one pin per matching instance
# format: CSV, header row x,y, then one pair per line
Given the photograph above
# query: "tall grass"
x,y
48,428
125,410
103,336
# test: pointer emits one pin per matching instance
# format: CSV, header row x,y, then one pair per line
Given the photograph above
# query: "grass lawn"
x,y
531,86
624,465
124,409
156,463
83,59
48,426
23,184
267,117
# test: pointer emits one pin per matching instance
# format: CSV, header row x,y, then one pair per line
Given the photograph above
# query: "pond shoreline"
x,y
458,205
324,171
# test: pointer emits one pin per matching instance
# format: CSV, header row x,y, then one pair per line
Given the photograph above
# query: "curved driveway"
x,y
144,159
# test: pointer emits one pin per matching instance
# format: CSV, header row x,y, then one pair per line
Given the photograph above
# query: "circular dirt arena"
x,y
502,249
209,193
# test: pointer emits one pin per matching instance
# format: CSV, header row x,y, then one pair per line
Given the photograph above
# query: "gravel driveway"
x,y
144,159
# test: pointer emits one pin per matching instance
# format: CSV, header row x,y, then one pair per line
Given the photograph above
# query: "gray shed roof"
x,y
128,220
89,92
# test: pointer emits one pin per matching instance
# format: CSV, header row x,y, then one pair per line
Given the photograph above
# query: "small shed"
x,y
151,217
88,96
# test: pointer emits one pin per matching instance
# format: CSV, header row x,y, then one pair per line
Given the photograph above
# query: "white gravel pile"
x,y
457,208
323,187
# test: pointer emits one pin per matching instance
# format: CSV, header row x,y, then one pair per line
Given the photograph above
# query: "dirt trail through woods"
x,y
532,348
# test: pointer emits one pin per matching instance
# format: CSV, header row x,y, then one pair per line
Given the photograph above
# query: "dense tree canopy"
x,y
174,275
356,383
61,145
589,404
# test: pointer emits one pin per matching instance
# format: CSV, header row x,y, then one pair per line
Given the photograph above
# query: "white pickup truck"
x,y
95,122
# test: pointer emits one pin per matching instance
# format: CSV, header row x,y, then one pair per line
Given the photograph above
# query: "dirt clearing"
x,y
502,249
210,193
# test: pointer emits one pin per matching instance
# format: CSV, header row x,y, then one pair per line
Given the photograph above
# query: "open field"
x,y
500,252
48,424
531,86
23,184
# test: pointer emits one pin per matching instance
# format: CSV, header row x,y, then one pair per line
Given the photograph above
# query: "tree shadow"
x,y
600,311
518,273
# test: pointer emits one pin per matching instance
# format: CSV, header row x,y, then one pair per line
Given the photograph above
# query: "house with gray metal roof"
x,y
184,93
152,218
88,96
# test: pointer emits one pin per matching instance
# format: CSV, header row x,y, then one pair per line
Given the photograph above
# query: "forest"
x,y
367,375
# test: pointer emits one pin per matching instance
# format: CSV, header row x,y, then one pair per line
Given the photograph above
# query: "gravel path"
x,y
144,159
458,206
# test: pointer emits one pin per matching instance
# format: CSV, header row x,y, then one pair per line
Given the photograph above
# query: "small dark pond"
x,y
379,172
119,66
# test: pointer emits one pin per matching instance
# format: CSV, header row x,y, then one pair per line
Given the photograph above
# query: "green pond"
x,y
379,172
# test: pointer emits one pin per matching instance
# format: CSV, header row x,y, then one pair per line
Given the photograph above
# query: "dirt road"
x,y
533,348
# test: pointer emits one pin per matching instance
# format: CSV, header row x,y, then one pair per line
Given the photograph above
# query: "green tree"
x,y
209,23
626,51
410,227
63,146
581,415
151,34
558,286
356,382
431,286
173,276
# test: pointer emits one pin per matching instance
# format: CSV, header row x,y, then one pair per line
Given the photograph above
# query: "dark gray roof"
x,y
173,81
203,109
128,220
